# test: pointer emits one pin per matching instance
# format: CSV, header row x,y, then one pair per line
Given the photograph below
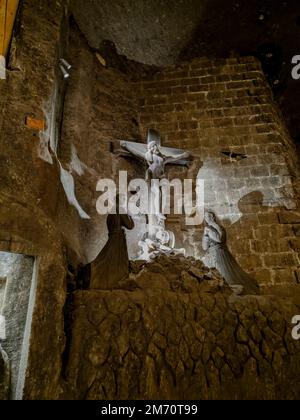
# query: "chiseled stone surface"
x,y
122,340
4,375
30,186
100,107
149,32
15,308
175,331
223,112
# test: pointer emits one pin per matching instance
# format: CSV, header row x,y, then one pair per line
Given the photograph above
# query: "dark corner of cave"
x,y
150,202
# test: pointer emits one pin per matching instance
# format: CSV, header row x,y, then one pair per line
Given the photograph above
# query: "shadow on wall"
x,y
251,203
262,240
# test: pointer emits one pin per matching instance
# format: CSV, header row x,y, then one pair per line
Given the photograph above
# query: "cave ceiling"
x,y
163,32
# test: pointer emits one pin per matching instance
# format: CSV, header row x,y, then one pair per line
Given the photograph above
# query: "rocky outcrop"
x,y
173,330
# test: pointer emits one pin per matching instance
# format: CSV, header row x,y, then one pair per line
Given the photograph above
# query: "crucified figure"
x,y
157,161
156,157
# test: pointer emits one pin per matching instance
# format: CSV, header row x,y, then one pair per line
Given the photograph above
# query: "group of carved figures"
x,y
112,264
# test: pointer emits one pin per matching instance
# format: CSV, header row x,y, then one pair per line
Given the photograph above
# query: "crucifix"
x,y
157,157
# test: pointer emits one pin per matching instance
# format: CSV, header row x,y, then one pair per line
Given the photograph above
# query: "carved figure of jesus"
x,y
157,161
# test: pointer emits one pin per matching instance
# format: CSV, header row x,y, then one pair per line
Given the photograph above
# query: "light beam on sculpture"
x,y
157,239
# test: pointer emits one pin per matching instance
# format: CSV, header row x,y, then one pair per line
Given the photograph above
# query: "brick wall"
x,y
223,112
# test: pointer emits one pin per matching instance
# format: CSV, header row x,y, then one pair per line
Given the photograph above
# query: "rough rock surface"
x,y
19,271
149,32
177,332
100,106
29,186
4,375
163,31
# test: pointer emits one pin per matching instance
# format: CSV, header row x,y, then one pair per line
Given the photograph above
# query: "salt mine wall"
x,y
223,112
29,188
99,108
172,334
172,331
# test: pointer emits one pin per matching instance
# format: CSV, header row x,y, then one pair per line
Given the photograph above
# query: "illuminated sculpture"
x,y
157,240
214,241
112,264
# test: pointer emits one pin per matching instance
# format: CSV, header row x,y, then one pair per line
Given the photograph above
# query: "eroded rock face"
x,y
175,331
142,340
149,32
99,108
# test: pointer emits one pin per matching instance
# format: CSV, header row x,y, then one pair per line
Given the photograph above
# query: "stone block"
x,y
295,244
280,260
223,78
179,89
240,247
267,246
237,85
184,107
259,171
223,122
190,81
249,262
284,275
252,149
263,276
289,217
281,170
273,231
179,74
200,64
188,125
173,99
198,72
242,172
236,183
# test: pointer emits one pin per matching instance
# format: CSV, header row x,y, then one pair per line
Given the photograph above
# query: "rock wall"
x,y
173,331
99,108
206,107
29,185
224,113
19,275
4,375
48,123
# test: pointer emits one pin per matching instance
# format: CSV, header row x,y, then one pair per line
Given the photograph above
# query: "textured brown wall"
x,y
178,335
204,107
29,186
226,105
100,107
35,216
